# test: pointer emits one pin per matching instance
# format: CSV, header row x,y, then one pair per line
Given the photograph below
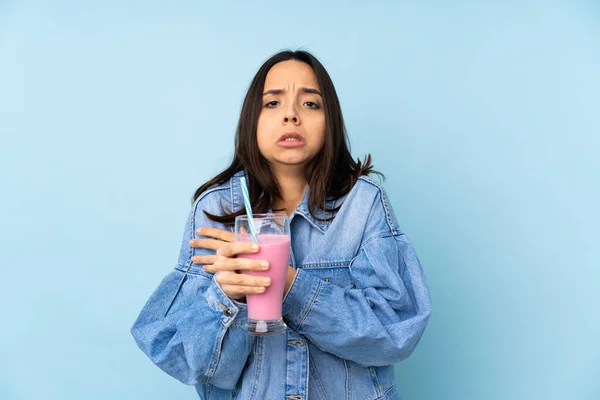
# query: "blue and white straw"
x,y
248,209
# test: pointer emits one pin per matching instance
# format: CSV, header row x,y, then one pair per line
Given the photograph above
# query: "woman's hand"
x,y
226,265
219,239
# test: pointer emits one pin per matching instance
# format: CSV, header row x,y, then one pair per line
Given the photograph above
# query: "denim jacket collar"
x,y
302,209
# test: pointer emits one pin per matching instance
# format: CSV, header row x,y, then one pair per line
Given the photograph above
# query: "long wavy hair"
x,y
330,174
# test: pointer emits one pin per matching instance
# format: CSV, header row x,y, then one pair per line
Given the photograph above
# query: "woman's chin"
x,y
291,161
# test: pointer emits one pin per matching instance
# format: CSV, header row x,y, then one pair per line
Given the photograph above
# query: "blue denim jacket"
x,y
359,303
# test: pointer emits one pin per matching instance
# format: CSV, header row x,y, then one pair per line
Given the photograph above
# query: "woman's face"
x,y
291,124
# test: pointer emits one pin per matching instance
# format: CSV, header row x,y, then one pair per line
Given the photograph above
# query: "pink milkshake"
x,y
272,234
276,250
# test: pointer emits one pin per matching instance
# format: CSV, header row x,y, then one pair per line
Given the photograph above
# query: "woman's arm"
x,y
187,340
189,327
379,321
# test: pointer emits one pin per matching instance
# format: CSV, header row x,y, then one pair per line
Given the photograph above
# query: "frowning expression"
x,y
291,124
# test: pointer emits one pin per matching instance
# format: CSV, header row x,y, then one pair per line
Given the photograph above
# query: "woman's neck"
x,y
292,184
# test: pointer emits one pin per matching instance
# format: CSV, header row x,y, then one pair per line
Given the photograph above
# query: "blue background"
x,y
483,115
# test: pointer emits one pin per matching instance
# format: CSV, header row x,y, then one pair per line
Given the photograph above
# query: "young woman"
x,y
355,301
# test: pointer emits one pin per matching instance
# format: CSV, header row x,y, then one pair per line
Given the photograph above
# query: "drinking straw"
x,y
248,209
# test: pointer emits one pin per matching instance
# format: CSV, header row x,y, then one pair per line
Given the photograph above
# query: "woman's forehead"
x,y
291,73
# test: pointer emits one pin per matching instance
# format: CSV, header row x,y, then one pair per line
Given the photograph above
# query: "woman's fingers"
x,y
232,249
231,264
211,244
225,259
242,280
234,284
216,233
235,264
204,259
235,291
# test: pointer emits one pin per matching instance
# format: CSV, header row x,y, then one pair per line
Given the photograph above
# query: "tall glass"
x,y
273,234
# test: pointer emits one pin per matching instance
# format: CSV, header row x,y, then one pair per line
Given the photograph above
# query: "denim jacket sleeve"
x,y
382,318
189,327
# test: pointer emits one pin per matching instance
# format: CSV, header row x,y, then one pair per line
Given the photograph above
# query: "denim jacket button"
x,y
225,309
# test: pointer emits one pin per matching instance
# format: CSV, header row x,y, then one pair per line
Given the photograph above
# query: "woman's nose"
x,y
290,114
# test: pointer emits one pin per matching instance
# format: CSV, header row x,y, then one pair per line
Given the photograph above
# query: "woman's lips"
x,y
291,140
290,143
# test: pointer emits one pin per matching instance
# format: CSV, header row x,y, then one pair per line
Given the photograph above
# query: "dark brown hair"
x,y
330,174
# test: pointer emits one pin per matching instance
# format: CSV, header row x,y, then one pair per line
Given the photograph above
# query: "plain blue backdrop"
x,y
484,116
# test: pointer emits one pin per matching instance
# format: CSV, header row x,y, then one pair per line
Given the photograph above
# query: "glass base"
x,y
265,327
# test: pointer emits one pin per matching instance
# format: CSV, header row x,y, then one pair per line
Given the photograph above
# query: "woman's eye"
x,y
271,104
310,104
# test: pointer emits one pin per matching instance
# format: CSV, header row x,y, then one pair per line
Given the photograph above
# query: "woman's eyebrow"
x,y
302,89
